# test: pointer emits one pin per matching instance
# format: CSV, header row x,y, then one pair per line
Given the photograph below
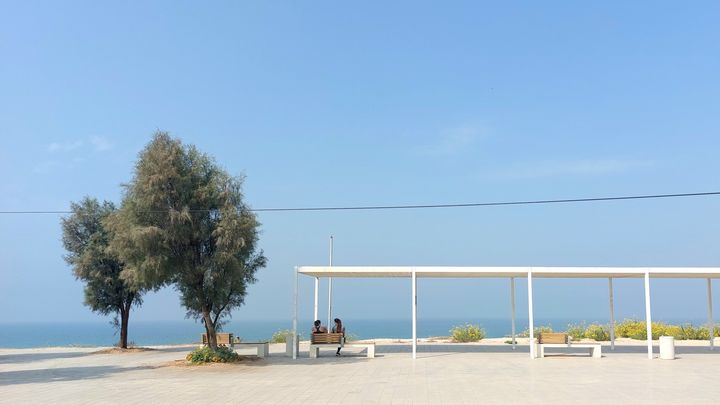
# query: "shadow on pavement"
x,y
62,374
30,357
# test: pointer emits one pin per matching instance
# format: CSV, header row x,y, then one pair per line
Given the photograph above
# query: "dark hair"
x,y
317,323
337,320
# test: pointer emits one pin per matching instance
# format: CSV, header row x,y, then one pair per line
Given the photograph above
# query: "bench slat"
x,y
553,338
326,338
222,338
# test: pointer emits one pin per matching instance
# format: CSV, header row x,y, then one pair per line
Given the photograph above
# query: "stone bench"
x,y
227,339
335,341
564,341
315,348
594,349
263,348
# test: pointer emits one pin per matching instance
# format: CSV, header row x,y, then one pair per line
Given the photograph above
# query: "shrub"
x,y
597,332
467,333
636,329
537,330
631,328
691,332
663,329
280,336
576,332
205,354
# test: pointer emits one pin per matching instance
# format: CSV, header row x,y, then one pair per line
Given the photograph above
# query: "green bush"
x,y
537,330
576,332
467,333
691,332
597,332
636,329
281,336
205,354
631,328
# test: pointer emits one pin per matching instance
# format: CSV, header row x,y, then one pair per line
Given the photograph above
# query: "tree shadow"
x,y
31,357
50,375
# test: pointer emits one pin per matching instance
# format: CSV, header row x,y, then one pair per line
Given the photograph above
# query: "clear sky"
x,y
328,103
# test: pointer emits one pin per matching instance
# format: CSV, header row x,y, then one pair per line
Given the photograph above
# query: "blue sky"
x,y
322,103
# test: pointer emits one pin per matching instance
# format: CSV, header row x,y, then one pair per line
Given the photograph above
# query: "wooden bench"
x,y
227,339
549,339
335,341
224,339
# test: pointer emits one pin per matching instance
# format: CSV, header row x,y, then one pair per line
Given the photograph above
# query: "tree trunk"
x,y
210,329
124,318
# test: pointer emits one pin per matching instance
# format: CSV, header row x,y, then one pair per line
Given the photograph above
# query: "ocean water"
x,y
25,335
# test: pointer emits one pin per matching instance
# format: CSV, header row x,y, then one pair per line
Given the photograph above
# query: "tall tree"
x,y
183,222
86,239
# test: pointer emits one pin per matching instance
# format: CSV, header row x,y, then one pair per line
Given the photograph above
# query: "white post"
x,y
648,319
317,288
612,314
512,301
295,320
414,315
711,322
329,320
531,325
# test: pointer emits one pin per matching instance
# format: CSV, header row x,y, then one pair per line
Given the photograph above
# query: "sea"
x,y
148,333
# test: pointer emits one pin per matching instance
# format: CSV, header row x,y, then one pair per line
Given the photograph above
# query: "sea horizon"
x,y
34,334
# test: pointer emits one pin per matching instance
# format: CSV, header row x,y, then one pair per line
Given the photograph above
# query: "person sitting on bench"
x,y
318,327
338,328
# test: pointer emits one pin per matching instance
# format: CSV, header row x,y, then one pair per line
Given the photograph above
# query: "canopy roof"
x,y
490,272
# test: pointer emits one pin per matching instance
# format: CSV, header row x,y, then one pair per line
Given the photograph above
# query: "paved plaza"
x,y
442,374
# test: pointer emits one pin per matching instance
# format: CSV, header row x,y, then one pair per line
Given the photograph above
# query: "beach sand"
x,y
443,373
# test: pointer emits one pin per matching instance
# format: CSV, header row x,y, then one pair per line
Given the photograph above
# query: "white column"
x,y
711,322
414,315
317,288
531,325
512,312
329,320
295,312
612,314
648,318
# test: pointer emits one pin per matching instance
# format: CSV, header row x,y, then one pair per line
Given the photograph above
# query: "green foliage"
x,y
467,333
631,328
598,332
86,238
205,354
691,332
537,330
576,332
636,329
593,331
281,336
183,222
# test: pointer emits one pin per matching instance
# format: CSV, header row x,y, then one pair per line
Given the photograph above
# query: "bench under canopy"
x,y
415,272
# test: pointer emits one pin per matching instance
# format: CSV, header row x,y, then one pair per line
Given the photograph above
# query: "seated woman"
x,y
318,328
338,328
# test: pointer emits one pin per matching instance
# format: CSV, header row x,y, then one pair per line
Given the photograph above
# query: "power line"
x,y
424,206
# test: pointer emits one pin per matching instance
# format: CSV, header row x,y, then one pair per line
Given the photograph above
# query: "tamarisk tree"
x,y
86,239
183,222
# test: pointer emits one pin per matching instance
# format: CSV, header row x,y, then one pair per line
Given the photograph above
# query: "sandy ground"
x,y
487,372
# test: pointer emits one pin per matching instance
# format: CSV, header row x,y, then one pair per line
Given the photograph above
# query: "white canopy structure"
x,y
414,273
